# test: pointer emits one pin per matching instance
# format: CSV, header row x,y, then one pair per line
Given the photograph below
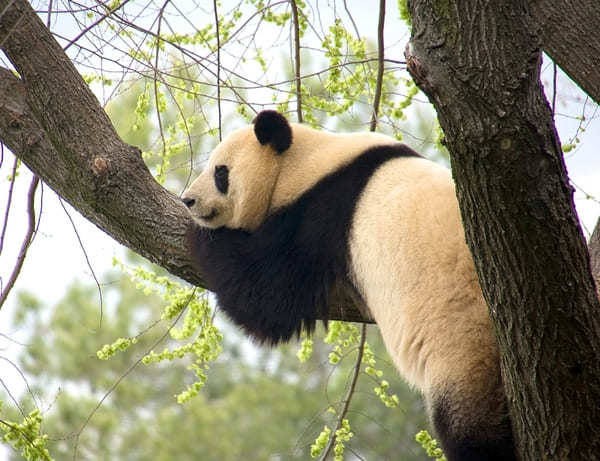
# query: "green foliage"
x,y
344,84
575,139
306,349
142,108
345,337
119,345
27,436
268,394
404,12
268,14
430,445
342,435
320,442
94,78
204,345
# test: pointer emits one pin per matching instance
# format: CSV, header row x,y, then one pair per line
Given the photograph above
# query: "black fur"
x,y
270,127
221,177
477,443
275,281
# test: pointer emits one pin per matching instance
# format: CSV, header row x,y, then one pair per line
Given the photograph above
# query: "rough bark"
x,y
51,120
570,36
594,249
478,62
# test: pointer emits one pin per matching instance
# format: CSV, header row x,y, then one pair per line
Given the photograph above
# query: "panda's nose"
x,y
188,202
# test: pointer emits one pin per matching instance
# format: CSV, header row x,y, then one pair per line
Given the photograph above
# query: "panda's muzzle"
x,y
190,202
213,214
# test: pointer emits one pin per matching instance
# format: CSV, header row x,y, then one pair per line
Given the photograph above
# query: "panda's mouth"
x,y
213,213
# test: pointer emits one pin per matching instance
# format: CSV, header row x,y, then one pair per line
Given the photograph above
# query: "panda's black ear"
x,y
270,127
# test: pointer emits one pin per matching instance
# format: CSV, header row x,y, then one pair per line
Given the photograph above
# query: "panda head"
x,y
235,188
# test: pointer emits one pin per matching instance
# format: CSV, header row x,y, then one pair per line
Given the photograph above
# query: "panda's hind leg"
x,y
473,430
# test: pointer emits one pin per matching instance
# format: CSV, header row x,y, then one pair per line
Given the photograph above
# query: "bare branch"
x,y
87,260
220,116
26,240
94,24
13,176
380,55
155,81
297,60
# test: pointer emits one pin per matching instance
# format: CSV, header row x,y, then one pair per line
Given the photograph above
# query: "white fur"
x,y
413,268
312,155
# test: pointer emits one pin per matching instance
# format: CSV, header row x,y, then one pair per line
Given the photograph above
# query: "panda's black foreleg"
x,y
473,437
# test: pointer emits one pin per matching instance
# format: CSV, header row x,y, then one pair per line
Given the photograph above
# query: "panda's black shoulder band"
x,y
276,281
271,127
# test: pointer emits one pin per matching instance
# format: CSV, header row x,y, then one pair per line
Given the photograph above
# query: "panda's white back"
x,y
412,266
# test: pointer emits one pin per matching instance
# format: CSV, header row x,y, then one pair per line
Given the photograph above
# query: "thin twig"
x,y
26,241
24,378
155,81
49,14
13,176
380,56
350,393
94,24
87,260
12,397
198,60
554,70
297,60
218,67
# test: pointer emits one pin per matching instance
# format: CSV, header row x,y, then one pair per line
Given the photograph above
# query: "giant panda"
x,y
284,212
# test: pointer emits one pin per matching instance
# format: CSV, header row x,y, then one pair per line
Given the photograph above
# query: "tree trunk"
x,y
479,65
594,248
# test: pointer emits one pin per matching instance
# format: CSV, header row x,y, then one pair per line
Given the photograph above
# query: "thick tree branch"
x,y
99,182
570,37
52,121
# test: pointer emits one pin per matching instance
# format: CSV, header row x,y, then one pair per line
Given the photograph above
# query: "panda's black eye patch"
x,y
222,178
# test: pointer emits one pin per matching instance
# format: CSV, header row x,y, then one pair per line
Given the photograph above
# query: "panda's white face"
x,y
235,188
266,166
